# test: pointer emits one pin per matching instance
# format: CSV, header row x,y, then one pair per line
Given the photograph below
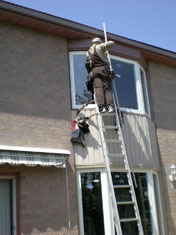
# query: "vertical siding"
x,y
91,154
140,140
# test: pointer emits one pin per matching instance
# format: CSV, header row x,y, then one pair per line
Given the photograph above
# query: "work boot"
x,y
110,109
102,109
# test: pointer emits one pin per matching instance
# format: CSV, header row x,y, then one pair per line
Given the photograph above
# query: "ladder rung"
x,y
110,127
126,203
122,186
129,220
118,155
113,141
108,114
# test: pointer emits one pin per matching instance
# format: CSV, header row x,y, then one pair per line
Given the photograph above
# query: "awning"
x,y
32,159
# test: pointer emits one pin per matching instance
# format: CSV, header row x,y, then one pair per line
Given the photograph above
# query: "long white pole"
x,y
108,56
113,82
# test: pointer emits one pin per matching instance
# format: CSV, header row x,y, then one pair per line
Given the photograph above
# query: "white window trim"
x,y
139,93
160,209
152,200
146,91
14,209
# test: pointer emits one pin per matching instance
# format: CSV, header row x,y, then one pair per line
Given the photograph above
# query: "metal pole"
x,y
108,56
113,82
68,198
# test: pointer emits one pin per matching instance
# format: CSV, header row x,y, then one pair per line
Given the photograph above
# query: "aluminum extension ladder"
x,y
119,140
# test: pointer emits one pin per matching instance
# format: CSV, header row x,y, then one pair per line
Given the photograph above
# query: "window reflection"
x,y
82,96
125,84
92,204
123,194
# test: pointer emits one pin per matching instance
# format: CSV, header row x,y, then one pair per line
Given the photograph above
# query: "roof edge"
x,y
83,28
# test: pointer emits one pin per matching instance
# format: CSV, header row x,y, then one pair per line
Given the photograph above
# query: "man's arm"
x,y
107,45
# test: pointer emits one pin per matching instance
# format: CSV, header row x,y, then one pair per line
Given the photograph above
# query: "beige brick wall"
x,y
163,91
43,200
34,89
35,111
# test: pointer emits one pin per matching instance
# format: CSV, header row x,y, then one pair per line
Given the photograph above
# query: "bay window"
x,y
130,83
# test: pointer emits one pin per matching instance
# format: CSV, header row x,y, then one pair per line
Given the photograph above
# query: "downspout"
x,y
68,198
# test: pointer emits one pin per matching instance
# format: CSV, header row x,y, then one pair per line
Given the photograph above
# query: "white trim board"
x,y
37,150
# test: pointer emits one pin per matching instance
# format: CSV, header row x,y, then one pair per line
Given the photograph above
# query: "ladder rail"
x,y
126,161
119,123
109,177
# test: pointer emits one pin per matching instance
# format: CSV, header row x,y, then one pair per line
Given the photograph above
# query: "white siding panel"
x,y
91,154
140,140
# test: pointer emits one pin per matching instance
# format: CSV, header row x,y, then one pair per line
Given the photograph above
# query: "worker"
x,y
100,74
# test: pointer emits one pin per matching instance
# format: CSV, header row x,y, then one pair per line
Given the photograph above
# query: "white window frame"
x,y
160,208
107,210
146,91
139,93
14,206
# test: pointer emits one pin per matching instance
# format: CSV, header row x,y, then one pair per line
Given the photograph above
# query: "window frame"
x,y
72,79
14,202
107,216
138,82
146,91
107,210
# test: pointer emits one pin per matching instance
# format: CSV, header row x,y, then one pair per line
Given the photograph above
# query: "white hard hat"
x,y
95,40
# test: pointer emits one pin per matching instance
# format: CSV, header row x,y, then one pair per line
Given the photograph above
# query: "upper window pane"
x,y
126,84
82,96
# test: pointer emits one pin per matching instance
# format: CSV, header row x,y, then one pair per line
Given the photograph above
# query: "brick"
x,y
163,85
35,111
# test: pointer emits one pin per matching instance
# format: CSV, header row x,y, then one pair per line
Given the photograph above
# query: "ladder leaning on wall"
x,y
118,139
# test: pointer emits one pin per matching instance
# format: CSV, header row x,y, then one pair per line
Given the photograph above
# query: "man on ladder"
x,y
100,74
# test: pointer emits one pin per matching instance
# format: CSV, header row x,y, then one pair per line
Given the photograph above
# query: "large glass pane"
x,y
125,84
126,211
92,204
143,202
80,77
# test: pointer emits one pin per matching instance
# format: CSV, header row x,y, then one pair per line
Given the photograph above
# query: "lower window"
x,y
95,212
92,203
